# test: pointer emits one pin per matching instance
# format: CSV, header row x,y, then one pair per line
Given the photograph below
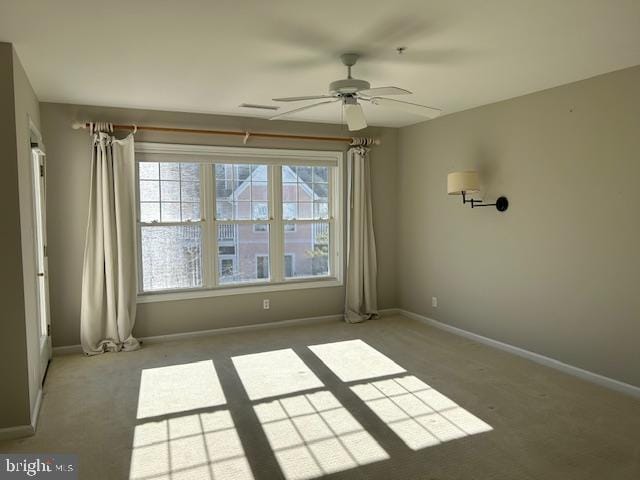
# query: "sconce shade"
x,y
458,182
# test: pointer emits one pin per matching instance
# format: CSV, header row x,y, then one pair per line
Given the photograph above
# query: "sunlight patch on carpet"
x,y
199,446
420,415
179,388
355,360
278,372
314,435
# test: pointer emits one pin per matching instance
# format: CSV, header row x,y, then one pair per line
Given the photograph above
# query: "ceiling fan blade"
x,y
355,116
306,107
370,92
299,99
428,112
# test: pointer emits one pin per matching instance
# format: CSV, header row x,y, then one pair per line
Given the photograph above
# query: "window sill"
x,y
167,296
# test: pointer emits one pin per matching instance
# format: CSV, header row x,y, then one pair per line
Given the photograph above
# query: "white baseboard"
x,y
242,328
35,414
11,433
536,357
70,349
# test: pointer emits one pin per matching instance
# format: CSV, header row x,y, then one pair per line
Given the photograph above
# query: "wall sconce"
x,y
462,183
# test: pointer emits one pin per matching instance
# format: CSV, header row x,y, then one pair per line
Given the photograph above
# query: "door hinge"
x,y
48,329
44,251
42,170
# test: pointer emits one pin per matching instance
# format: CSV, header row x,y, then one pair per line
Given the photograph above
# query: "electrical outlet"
x,y
434,302
266,304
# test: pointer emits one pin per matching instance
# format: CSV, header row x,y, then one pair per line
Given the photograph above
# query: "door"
x,y
42,266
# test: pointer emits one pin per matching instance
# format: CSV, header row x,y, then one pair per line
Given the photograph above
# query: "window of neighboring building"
x,y
226,267
262,266
288,265
215,205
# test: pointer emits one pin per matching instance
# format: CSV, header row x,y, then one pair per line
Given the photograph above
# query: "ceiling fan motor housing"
x,y
348,86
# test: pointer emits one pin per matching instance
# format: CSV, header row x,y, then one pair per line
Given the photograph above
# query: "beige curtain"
x,y
109,276
362,271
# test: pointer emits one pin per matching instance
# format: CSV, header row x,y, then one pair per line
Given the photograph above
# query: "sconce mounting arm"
x,y
501,203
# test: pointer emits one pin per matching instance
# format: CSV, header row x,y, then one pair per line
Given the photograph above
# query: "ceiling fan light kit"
x,y
351,91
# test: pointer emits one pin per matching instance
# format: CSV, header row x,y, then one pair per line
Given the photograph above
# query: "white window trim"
x,y
161,152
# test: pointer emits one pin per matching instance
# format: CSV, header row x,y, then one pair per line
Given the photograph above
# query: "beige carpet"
x,y
388,399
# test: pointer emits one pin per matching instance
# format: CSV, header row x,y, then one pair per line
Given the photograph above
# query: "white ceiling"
x,y
210,56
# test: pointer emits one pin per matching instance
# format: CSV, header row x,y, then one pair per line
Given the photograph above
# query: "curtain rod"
x,y
246,134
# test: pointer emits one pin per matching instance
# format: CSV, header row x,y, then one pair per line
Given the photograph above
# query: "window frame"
x,y
275,159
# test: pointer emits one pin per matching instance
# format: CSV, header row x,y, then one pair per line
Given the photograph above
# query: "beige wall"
x,y
67,196
19,366
558,273
27,112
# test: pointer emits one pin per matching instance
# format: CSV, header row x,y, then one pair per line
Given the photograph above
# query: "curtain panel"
x,y
109,276
361,301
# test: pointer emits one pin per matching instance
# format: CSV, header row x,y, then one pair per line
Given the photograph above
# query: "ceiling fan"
x,y
350,91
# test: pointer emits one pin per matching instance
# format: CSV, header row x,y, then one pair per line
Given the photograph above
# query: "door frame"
x,y
39,203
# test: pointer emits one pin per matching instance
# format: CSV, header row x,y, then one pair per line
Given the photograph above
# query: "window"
x,y
226,267
262,266
288,265
225,216
170,226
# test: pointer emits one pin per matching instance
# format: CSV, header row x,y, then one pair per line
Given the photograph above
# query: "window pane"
x,y
259,192
321,191
190,172
321,210
222,190
239,249
242,172
242,192
149,191
289,211
177,191
289,192
150,212
171,257
260,211
305,192
170,171
190,211
320,174
305,174
170,212
190,191
224,210
242,211
306,247
148,170
170,191
305,211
